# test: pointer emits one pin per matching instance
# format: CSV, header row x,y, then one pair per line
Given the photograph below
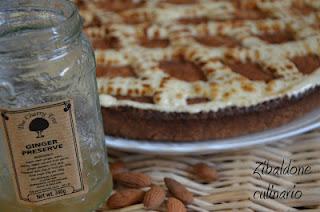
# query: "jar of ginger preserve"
x,y
52,155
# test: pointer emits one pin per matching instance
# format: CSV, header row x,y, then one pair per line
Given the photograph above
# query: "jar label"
x,y
44,151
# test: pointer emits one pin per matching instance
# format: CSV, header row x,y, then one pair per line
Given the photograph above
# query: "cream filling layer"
x,y
294,89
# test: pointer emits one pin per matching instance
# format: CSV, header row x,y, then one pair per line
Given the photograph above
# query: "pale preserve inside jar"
x,y
44,58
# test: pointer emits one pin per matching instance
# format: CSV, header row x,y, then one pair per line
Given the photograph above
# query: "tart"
x,y
188,70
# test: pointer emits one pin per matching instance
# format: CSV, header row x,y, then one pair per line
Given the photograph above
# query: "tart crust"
x,y
136,123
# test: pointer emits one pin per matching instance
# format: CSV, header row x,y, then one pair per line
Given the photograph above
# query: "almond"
x,y
175,205
204,172
178,190
125,198
154,197
133,180
117,168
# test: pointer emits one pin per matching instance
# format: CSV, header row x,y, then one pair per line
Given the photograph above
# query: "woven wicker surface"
x,y
236,189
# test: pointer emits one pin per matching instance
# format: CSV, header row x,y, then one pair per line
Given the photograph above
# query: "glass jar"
x,y
45,58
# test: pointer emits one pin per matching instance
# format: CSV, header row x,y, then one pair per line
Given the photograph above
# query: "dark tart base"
x,y
154,125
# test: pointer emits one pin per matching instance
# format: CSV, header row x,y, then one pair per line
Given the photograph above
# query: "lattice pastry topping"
x,y
203,55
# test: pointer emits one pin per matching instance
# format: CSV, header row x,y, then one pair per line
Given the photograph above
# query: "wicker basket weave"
x,y
237,184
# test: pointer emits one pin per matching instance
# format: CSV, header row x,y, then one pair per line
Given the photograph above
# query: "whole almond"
x,y
178,190
133,180
175,205
154,197
204,172
117,168
125,198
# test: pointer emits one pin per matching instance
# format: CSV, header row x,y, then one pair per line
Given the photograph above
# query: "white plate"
x,y
309,122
